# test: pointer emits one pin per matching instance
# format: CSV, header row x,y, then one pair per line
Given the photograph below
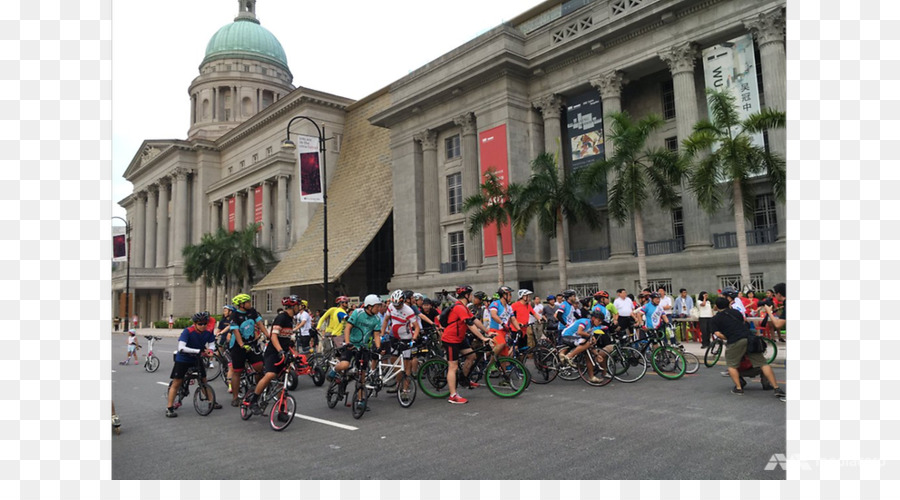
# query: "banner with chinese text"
x,y
731,66
493,155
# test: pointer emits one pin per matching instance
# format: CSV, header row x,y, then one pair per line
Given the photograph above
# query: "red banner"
x,y
231,214
493,155
257,206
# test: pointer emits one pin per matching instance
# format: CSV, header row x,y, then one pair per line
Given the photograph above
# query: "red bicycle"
x,y
283,404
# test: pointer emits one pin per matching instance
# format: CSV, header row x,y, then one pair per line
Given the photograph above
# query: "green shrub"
x,y
160,324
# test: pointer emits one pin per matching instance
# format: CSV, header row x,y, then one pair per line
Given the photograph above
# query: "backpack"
x,y
444,319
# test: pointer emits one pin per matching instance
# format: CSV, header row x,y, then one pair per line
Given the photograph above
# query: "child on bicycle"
x,y
133,346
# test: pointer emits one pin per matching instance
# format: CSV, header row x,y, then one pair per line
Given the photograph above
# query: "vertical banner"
x,y
584,143
493,155
120,249
310,174
231,214
258,206
731,66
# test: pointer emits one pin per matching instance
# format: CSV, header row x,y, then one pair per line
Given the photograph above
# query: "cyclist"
x,y
565,309
428,314
655,317
280,340
402,321
525,315
610,313
304,322
223,336
502,321
361,328
246,325
732,294
580,335
459,321
195,340
331,324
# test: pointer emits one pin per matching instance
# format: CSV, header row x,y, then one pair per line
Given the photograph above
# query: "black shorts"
x,y
351,355
239,357
271,356
453,350
571,341
180,369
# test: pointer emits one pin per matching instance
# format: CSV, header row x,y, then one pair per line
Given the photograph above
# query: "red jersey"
x,y
455,332
522,312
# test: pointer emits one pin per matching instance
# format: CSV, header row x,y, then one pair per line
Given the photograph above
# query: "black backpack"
x,y
444,320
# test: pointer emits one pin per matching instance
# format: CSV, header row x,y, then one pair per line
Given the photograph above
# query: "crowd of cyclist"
x,y
499,320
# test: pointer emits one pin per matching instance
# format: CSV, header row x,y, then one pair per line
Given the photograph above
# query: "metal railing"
x,y
589,254
453,267
761,236
663,247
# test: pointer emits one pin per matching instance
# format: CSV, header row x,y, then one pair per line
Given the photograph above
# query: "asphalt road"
x,y
691,428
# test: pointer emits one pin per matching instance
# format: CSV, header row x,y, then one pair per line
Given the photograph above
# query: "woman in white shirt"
x,y
706,314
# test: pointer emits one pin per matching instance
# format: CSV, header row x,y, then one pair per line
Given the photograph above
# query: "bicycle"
x,y
284,407
388,374
626,364
204,396
511,379
668,362
714,351
151,362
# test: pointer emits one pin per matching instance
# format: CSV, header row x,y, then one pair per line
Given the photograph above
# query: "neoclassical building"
x,y
540,82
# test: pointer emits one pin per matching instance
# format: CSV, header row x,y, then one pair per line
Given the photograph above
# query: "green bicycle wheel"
x,y
713,352
512,379
771,350
668,362
432,378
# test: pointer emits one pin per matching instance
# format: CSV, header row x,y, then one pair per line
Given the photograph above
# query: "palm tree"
x,y
733,163
493,204
242,256
642,175
228,257
553,197
202,261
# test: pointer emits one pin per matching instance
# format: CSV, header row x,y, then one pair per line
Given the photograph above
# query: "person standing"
x,y
525,315
705,307
196,340
171,322
304,322
331,323
116,321
134,320
625,306
459,322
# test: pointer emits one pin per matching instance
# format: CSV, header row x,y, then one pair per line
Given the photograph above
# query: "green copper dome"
x,y
245,38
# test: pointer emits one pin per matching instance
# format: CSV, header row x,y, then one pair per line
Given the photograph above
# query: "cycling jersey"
x,y
334,318
363,325
284,321
503,312
607,314
455,332
568,313
400,319
245,322
523,311
194,340
738,306
572,330
653,314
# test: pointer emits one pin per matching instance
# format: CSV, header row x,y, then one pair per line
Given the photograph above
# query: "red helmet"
x,y
341,299
463,290
601,294
290,301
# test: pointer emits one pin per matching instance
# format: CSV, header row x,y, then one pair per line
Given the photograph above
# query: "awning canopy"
x,y
360,199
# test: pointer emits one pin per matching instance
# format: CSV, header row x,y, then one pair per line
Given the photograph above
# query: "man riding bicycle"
x,y
331,324
459,321
403,325
580,335
246,325
361,329
195,340
280,340
502,321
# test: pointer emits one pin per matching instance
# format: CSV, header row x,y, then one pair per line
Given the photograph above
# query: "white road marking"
x,y
163,383
326,422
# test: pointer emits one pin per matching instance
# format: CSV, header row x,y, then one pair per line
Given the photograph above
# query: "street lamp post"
x,y
287,144
127,270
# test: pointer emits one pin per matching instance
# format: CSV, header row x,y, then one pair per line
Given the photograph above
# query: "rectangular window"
x,y
764,215
584,289
668,99
451,146
454,192
268,300
655,285
457,247
678,223
672,144
734,280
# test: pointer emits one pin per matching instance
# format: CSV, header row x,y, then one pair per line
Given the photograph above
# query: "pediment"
x,y
150,152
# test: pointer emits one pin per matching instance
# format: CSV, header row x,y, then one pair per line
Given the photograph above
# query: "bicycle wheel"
x,y
546,365
282,412
512,378
771,350
204,399
432,378
582,360
668,362
359,401
213,370
333,394
570,372
626,364
406,396
246,413
152,364
317,369
692,362
713,352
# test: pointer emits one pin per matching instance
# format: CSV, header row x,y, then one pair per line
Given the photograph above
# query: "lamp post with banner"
x,y
289,145
127,268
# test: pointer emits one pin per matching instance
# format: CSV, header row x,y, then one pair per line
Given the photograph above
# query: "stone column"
x,y
281,241
138,229
471,180
266,214
223,218
432,215
162,224
550,107
214,212
681,59
215,103
239,198
609,85
150,226
180,214
251,205
768,29
235,104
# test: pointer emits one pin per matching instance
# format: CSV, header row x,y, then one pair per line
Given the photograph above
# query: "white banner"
x,y
120,246
310,169
732,66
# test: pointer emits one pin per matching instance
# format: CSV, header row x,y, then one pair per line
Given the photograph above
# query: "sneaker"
x,y
595,380
177,405
404,395
735,390
781,340
474,385
235,403
170,412
779,392
743,382
136,363
457,400
724,374
783,399
217,406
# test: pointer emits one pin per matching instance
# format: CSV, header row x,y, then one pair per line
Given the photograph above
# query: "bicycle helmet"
x,y
481,295
464,289
569,293
523,292
304,303
342,299
290,301
407,294
201,318
653,295
729,291
240,299
503,290
397,297
601,294
418,296
598,314
371,300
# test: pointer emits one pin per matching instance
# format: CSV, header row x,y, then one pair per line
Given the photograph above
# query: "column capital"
x,y
164,181
181,173
217,203
286,177
609,84
467,122
680,57
153,188
550,106
428,138
141,195
767,27
241,193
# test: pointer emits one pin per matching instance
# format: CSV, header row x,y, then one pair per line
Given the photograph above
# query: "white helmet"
x,y
371,300
418,296
523,292
397,297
